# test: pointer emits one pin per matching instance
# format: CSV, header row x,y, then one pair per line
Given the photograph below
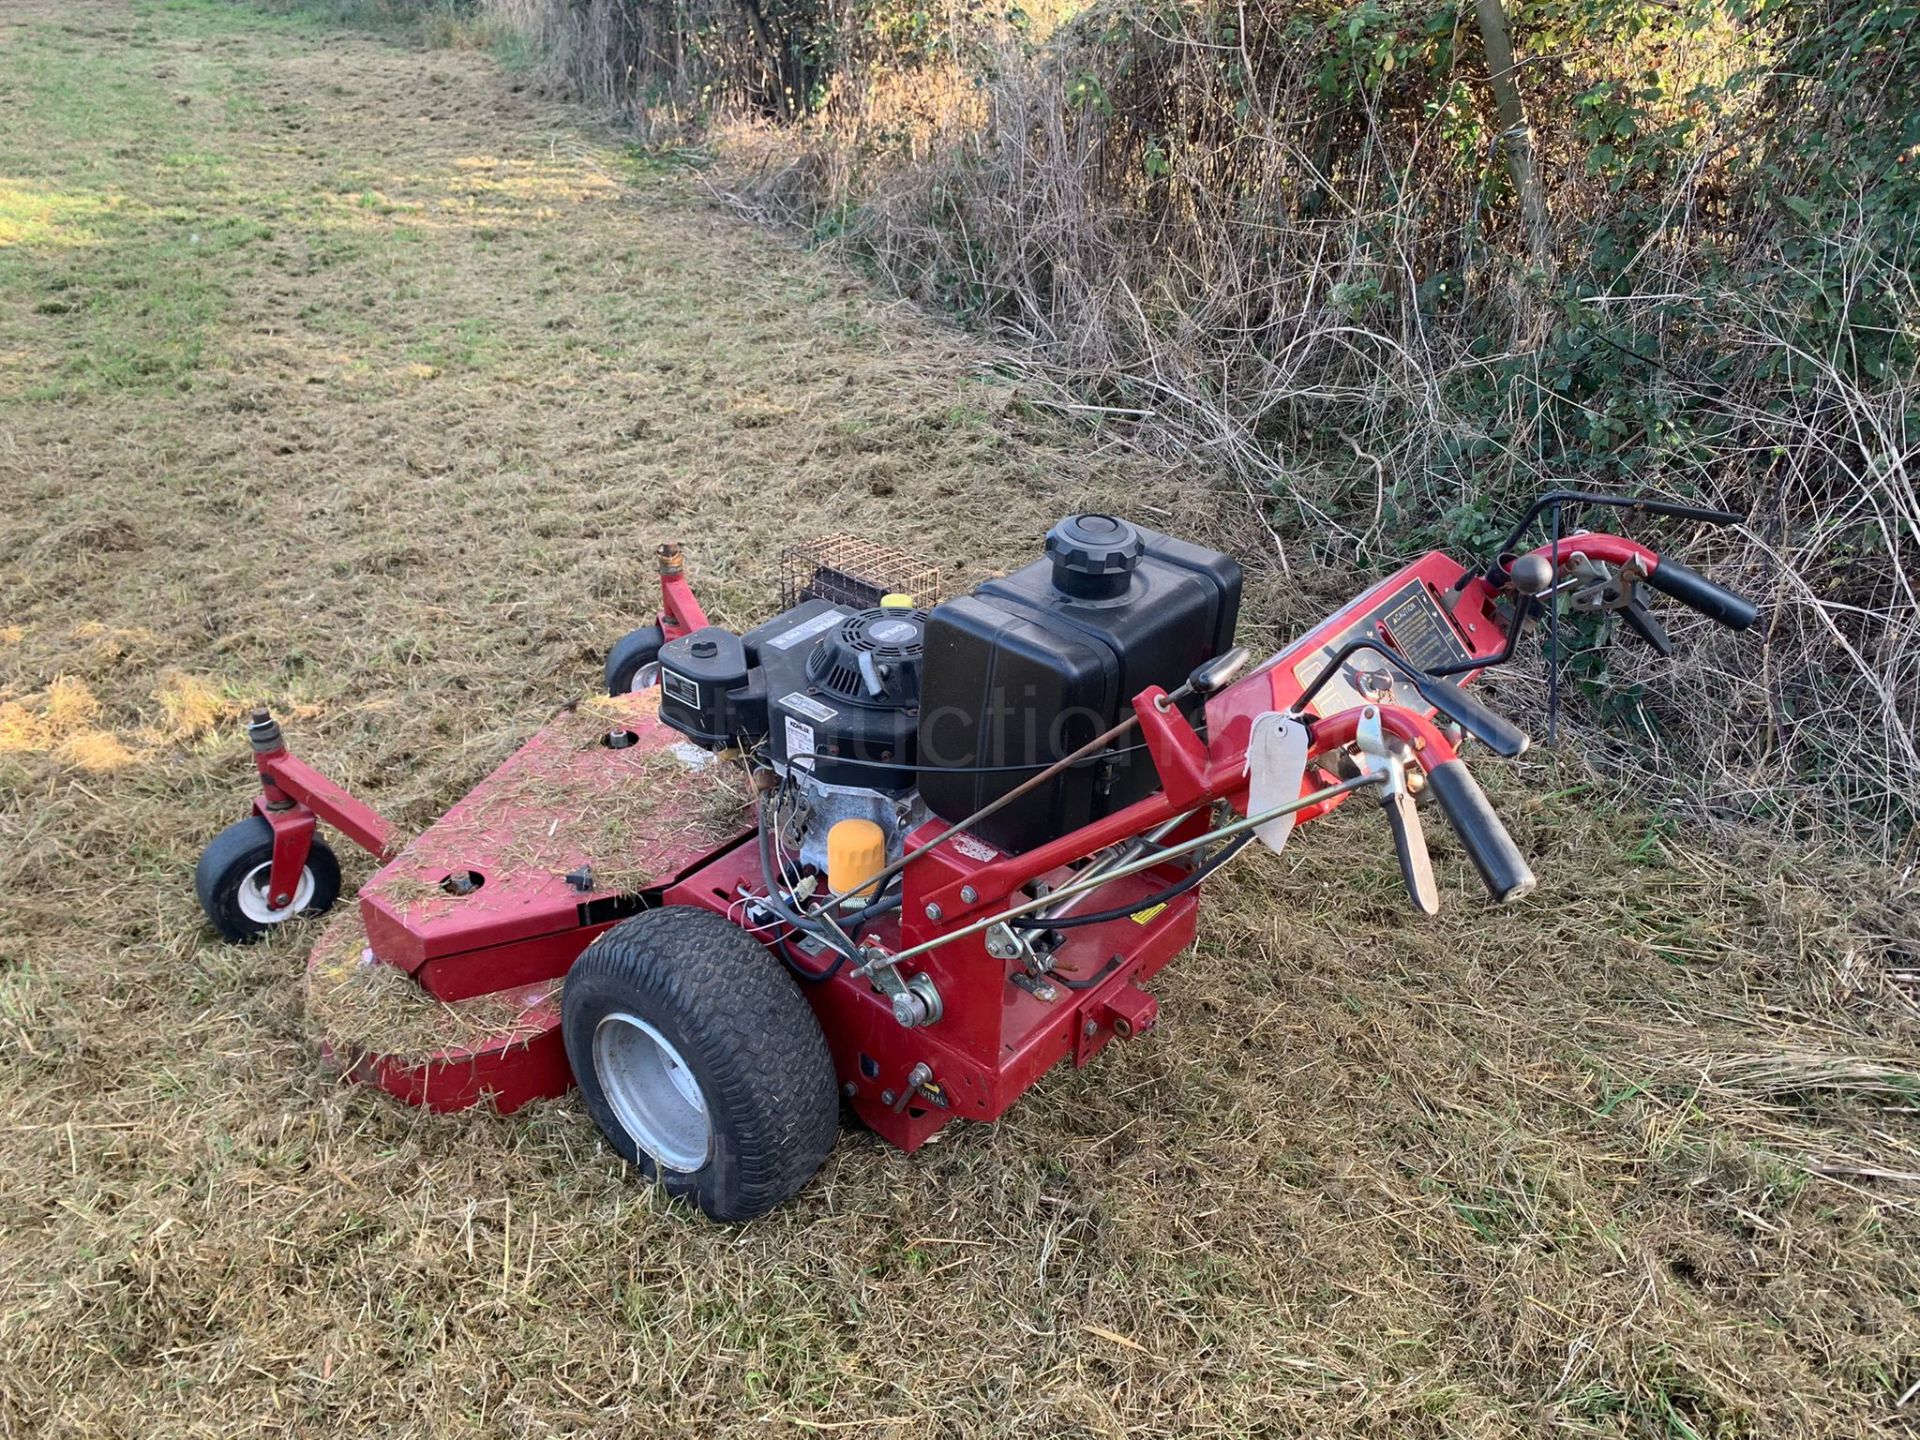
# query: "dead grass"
x,y
1612,1162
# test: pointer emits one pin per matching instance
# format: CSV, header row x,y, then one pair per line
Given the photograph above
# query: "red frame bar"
x,y
293,796
680,612
1597,545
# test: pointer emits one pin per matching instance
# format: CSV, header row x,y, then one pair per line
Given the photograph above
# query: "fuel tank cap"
x,y
1093,555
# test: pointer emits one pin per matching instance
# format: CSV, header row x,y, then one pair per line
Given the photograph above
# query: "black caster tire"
x,y
231,881
701,1062
629,655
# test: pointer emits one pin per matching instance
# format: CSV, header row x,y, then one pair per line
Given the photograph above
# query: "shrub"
x,y
1299,242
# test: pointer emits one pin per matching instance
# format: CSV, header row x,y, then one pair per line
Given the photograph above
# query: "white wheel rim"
x,y
653,1092
258,906
646,677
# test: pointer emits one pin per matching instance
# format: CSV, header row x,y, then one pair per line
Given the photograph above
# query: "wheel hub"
x,y
258,906
653,1092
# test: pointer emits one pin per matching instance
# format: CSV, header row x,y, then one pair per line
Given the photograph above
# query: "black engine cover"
x,y
854,696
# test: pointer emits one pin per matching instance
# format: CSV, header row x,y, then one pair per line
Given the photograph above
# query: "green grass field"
x,y
358,377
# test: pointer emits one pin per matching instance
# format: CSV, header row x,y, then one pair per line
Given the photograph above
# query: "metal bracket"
x,y
1005,943
915,998
1378,757
1038,986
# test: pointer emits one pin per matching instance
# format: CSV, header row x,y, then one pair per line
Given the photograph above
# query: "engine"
x,y
870,708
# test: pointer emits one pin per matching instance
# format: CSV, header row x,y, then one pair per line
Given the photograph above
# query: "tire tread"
x,y
759,1053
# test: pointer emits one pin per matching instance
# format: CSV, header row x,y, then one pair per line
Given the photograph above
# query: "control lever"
x,y
1478,719
1644,623
1219,671
1409,839
1620,590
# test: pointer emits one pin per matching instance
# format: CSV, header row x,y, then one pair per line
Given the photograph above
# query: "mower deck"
x,y
486,909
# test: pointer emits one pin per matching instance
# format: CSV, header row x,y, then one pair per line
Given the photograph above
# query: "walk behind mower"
x,y
892,850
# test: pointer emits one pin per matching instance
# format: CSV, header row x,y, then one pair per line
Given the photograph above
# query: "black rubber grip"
x,y
1693,589
1492,850
1478,719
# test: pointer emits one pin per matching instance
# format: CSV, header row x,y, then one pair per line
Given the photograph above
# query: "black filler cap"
x,y
1093,555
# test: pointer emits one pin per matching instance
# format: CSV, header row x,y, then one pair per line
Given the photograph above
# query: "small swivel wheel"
x,y
231,881
701,1061
632,663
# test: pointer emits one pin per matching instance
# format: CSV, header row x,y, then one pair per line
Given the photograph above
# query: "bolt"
x,y
969,894
280,900
886,1097
849,1089
1089,1029
933,912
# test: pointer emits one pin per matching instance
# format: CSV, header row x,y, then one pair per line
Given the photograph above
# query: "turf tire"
x,y
234,854
629,653
746,1033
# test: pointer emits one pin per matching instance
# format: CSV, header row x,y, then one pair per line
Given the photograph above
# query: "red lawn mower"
x,y
889,852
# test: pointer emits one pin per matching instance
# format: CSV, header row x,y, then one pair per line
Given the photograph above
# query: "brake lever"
x,y
1644,623
1396,799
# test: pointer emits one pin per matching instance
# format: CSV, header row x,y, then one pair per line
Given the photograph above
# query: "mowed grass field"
x,y
360,379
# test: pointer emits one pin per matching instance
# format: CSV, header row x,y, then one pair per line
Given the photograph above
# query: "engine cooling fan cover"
x,y
873,659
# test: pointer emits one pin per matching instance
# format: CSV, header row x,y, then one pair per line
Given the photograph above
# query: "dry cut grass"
x,y
354,378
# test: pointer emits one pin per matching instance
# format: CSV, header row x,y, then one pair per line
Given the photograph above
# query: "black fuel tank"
x,y
1033,665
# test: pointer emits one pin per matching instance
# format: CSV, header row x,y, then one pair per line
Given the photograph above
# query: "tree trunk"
x,y
1516,136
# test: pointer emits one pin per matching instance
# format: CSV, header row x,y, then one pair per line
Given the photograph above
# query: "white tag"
x,y
801,705
807,629
799,742
1276,767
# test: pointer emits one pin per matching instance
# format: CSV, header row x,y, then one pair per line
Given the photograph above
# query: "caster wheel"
x,y
700,1061
631,662
231,881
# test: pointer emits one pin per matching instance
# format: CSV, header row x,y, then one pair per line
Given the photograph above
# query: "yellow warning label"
x,y
1141,917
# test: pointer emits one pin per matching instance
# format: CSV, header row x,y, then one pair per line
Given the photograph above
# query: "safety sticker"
x,y
1141,917
676,686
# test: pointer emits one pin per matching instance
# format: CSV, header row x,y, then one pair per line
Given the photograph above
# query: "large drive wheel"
x,y
701,1061
630,663
231,881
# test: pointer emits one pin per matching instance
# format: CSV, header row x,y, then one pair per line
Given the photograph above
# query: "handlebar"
x,y
1694,590
1664,574
1486,841
1475,716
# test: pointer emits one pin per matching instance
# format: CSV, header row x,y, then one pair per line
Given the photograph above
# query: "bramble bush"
x,y
1291,241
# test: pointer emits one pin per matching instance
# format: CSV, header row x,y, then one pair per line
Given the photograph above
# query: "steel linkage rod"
x,y
1120,872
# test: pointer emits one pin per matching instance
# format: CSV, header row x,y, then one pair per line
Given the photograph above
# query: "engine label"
x,y
806,705
807,629
676,686
799,743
